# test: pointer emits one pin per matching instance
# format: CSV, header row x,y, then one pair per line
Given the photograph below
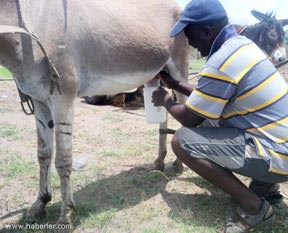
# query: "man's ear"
x,y
207,32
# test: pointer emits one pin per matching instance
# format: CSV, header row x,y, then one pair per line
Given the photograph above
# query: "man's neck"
x,y
224,34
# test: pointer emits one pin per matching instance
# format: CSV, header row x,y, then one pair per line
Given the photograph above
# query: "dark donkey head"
x,y
268,34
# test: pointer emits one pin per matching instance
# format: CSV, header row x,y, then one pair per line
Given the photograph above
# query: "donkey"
x,y
268,34
83,48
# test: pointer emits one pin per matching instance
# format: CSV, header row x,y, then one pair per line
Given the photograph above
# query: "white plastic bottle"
x,y
153,114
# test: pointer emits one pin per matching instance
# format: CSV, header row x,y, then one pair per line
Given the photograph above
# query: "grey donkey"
x,y
81,48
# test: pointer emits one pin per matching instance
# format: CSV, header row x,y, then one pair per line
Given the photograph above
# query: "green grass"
x,y
4,73
100,220
14,166
100,202
157,229
195,65
113,193
9,131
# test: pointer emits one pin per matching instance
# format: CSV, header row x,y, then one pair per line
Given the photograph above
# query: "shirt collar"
x,y
226,33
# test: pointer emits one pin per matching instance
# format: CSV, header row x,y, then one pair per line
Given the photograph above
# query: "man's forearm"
x,y
178,111
184,88
175,109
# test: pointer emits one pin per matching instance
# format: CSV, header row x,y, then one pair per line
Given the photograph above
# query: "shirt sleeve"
x,y
213,92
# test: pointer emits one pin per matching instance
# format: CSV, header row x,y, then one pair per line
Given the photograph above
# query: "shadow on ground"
x,y
131,187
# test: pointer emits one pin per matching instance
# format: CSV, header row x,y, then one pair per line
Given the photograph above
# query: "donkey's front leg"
x,y
63,160
44,125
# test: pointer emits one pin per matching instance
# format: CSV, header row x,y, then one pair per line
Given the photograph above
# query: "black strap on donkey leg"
x,y
167,131
26,100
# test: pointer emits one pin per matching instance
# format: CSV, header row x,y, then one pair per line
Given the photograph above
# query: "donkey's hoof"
x,y
36,212
178,166
35,216
159,165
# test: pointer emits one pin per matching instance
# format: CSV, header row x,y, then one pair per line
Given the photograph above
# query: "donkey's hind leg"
x,y
177,164
162,149
44,125
177,67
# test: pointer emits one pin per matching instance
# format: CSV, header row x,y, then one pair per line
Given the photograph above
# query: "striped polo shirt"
x,y
242,88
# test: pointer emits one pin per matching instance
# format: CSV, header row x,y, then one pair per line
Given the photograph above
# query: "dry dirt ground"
x,y
117,191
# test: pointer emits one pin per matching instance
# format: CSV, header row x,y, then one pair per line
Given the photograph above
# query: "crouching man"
x,y
241,90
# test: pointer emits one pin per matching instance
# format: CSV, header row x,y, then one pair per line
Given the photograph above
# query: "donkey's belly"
x,y
110,85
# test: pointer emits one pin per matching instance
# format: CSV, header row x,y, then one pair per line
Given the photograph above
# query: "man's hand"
x,y
167,80
160,96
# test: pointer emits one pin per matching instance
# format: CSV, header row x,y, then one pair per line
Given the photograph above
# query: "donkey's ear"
x,y
271,14
260,16
283,22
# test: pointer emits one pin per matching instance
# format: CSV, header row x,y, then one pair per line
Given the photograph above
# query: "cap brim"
x,y
178,28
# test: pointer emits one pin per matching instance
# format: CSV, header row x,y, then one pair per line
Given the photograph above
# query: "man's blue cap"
x,y
199,12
